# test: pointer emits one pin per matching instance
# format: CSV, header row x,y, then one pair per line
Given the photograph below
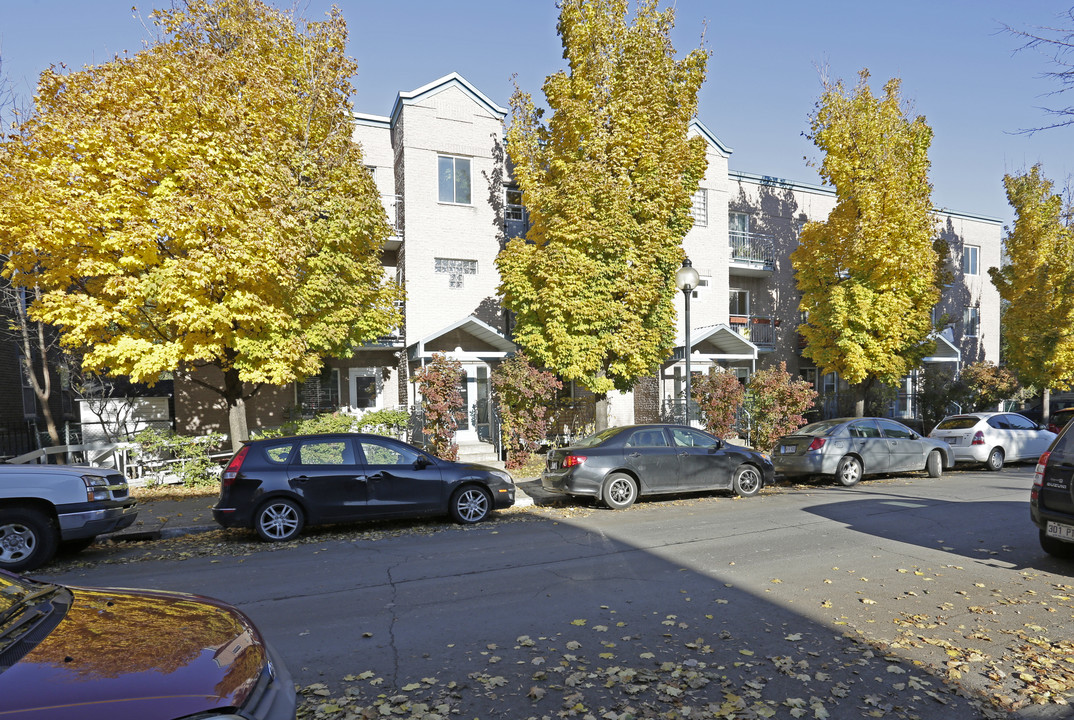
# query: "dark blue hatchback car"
x,y
278,486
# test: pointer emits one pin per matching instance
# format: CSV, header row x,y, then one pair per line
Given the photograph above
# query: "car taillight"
x,y
232,469
572,460
1038,475
978,438
817,444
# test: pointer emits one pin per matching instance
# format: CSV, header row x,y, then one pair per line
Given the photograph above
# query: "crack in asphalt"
x,y
390,607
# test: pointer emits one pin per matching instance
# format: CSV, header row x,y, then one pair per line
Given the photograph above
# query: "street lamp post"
x,y
686,279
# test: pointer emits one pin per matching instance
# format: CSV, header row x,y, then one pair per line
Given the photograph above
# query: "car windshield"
x,y
960,422
597,438
824,427
15,593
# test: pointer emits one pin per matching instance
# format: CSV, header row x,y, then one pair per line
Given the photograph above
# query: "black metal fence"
x,y
17,438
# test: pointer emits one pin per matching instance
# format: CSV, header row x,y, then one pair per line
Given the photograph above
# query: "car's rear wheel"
x,y
849,471
470,505
619,492
995,459
1056,548
279,519
28,539
934,464
747,481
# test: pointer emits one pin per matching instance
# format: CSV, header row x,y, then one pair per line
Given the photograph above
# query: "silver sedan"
x,y
850,448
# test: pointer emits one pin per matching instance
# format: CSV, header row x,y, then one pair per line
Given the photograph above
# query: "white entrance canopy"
x,y
466,339
718,343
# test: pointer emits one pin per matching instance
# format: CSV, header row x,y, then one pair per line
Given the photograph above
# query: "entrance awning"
x,y
466,339
717,343
945,351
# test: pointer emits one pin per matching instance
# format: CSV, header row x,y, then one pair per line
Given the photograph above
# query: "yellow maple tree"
x,y
1037,283
201,202
607,181
868,273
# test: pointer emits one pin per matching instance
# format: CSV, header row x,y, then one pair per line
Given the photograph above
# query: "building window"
x,y
365,389
971,321
454,180
738,223
702,281
456,270
700,208
971,256
318,393
740,302
514,210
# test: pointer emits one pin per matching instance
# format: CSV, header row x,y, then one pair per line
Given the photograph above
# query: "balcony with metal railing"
x,y
752,254
393,207
758,329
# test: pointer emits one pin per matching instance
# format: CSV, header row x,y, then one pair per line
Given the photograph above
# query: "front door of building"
x,y
475,425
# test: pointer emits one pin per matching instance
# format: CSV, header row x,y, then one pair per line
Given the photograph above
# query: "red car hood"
x,y
136,654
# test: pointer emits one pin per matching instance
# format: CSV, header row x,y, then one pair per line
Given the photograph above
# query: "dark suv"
x,y
277,486
1051,502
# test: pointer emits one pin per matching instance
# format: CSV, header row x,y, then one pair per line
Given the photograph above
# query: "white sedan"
x,y
992,438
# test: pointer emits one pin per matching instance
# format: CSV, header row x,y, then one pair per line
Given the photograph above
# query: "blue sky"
x,y
957,66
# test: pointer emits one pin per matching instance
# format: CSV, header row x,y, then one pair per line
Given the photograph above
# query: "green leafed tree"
x,y
607,182
1037,283
868,274
201,203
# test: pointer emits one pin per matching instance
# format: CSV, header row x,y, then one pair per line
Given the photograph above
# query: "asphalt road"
x,y
901,597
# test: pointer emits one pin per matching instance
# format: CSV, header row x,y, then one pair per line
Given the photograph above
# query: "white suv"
x,y
45,506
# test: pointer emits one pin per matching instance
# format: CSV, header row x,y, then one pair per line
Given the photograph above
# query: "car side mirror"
x,y
719,444
421,463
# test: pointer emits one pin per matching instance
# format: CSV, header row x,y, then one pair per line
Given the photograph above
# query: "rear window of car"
x,y
958,423
824,427
1064,443
279,454
598,438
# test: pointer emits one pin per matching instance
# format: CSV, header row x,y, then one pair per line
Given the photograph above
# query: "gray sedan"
x,y
850,448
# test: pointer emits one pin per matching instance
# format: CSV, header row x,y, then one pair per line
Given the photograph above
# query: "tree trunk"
x,y
236,408
600,412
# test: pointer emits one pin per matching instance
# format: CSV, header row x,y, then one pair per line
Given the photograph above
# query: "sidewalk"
x,y
167,518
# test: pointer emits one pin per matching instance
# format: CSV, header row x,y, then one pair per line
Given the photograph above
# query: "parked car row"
x,y
55,661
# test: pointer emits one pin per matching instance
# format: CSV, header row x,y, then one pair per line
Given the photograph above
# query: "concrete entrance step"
x,y
479,452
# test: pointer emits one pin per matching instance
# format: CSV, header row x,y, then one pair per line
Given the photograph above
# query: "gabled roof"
x,y
945,350
699,127
437,86
718,342
472,335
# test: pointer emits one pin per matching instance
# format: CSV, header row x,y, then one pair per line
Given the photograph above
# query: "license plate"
x,y
787,449
1061,531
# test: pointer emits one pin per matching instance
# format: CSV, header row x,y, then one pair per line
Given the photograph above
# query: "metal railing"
x,y
393,206
758,329
752,249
